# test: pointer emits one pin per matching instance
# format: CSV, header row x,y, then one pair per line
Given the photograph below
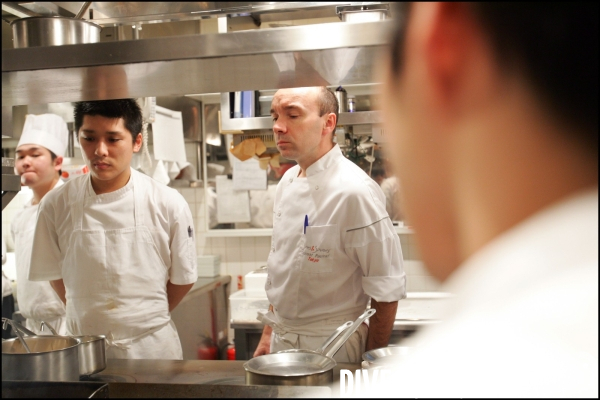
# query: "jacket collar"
x,y
331,158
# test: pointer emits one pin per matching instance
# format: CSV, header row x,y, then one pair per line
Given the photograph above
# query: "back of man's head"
x,y
554,46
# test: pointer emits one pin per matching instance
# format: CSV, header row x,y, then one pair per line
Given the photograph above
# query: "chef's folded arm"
x,y
175,293
59,287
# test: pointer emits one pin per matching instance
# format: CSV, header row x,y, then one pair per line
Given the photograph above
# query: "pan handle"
x,y
19,327
334,335
83,9
348,332
45,324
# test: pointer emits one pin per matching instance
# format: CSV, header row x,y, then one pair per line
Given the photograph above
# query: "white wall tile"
x,y
234,250
189,194
218,243
247,267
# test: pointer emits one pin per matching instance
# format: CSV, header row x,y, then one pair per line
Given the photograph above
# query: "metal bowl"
x,y
385,356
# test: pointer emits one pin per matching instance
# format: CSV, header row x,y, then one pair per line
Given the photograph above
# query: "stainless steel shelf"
x,y
195,64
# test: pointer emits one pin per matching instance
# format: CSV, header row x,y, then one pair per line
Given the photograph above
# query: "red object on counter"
x,y
231,353
208,352
240,282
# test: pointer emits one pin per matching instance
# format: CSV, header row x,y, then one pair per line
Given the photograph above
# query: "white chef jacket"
x,y
6,286
166,215
350,250
525,318
37,300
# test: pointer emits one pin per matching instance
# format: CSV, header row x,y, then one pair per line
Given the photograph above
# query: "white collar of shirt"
x,y
91,195
557,239
58,184
331,158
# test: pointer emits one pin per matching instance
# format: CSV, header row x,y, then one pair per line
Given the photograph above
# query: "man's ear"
x,y
58,162
137,144
449,37
329,124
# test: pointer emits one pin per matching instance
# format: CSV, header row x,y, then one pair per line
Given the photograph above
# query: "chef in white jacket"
x,y
334,246
117,246
39,156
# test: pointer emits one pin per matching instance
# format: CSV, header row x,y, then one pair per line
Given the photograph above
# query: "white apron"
x,y
312,335
116,286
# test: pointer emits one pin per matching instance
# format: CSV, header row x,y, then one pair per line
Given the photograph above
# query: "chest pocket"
x,y
318,249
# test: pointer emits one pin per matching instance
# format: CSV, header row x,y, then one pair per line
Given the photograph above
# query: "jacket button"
x,y
279,214
317,187
291,179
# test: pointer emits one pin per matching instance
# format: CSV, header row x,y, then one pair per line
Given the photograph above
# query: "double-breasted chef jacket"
x,y
321,275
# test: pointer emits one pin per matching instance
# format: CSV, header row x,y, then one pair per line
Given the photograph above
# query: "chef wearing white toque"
x,y
38,160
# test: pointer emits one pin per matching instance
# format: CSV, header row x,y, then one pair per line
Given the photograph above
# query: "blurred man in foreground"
x,y
493,121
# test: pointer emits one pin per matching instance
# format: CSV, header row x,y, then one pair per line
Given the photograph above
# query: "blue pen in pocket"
x,y
305,223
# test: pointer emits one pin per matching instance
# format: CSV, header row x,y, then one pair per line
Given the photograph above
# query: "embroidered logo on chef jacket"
x,y
315,254
317,248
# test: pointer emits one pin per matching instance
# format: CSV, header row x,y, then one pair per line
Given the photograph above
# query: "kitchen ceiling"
x,y
115,13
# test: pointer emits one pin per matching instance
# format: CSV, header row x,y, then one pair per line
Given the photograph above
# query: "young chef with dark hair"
x,y
39,157
491,111
334,246
117,246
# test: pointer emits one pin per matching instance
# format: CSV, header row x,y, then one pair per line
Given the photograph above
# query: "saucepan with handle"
x,y
39,358
301,368
92,352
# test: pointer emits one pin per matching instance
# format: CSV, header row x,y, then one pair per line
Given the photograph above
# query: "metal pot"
x,y
305,368
92,354
52,358
92,349
38,30
53,31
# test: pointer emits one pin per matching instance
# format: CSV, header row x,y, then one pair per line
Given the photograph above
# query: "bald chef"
x,y
334,246
39,157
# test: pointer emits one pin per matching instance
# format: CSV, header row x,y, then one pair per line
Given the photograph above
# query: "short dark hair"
x,y
329,103
128,109
553,45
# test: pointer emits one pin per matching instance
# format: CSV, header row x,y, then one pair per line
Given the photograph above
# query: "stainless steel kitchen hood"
x,y
323,54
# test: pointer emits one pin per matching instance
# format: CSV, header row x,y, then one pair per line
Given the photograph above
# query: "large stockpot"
x,y
299,368
52,358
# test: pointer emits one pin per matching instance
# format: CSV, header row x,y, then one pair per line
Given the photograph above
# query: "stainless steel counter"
x,y
169,379
198,372
188,374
